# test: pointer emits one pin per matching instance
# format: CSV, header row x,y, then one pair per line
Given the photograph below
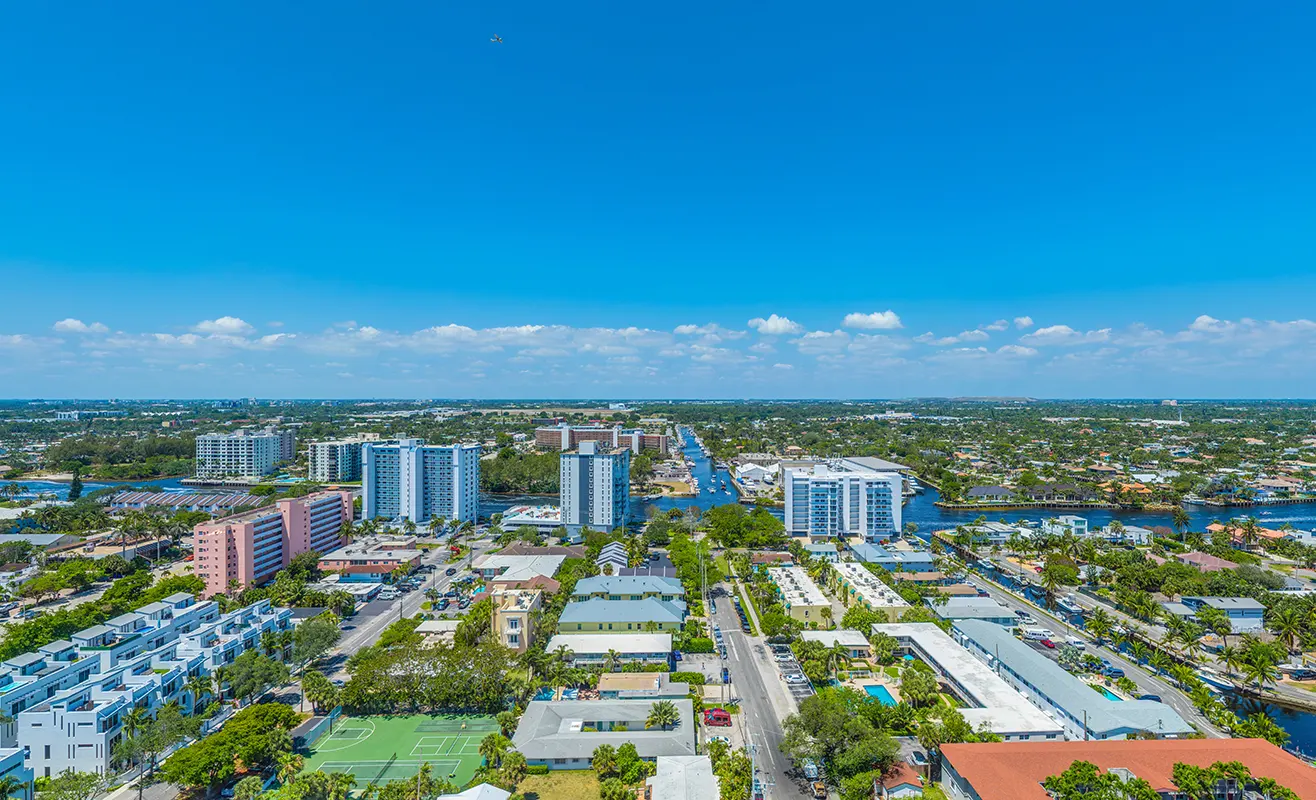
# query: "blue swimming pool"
x,y
880,692
1111,695
544,694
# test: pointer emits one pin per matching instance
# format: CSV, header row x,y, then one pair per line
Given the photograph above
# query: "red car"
x,y
717,717
1048,643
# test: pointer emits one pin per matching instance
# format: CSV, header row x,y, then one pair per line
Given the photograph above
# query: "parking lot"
x,y
791,673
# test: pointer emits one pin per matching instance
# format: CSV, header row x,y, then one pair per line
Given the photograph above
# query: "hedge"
x,y
695,678
536,769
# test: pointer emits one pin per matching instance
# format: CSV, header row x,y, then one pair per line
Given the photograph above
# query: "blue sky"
x,y
347,200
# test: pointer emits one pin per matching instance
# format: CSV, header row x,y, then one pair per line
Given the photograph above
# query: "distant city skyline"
x,y
747,199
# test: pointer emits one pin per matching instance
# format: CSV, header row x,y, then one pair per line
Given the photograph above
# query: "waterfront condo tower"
x,y
409,479
838,498
596,487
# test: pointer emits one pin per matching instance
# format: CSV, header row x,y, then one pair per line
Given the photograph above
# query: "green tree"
x,y
315,637
252,673
604,761
662,714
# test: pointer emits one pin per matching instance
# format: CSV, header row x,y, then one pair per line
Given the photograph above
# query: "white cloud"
x,y
783,366
224,326
775,326
1064,335
1023,323
877,321
1016,350
71,325
942,341
815,342
998,325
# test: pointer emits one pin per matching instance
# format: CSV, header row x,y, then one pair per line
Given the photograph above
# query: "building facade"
x,y
334,461
569,437
252,547
835,499
243,453
143,660
411,480
595,487
514,614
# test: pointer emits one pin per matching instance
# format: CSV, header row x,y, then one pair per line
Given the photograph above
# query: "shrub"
x,y
693,678
537,769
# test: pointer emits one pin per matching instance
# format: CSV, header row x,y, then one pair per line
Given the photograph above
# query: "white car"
x,y
1074,641
795,677
783,656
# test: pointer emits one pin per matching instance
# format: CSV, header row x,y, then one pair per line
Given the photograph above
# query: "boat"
x,y
1212,678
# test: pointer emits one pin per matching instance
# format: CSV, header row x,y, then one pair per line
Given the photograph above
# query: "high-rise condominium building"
x,y
243,453
569,437
339,460
251,547
595,487
841,498
409,479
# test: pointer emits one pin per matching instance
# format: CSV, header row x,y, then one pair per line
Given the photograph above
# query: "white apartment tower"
x,y
340,460
596,487
243,453
409,479
837,499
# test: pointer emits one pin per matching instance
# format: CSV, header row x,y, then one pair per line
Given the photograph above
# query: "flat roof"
x,y
1015,770
596,643
849,638
1104,716
797,587
869,587
996,704
1229,603
972,608
520,567
683,778
556,729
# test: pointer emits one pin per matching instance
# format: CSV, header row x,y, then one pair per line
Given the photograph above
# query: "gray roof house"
x,y
619,616
683,778
563,734
1085,713
628,587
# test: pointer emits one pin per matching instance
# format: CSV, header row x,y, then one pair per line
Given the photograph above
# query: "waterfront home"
x,y
1204,562
990,494
1245,614
1065,524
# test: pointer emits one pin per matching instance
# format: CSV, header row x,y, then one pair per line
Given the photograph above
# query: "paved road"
x,y
764,701
1147,682
370,622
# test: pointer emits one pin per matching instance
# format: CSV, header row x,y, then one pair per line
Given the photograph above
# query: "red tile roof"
x,y
1015,770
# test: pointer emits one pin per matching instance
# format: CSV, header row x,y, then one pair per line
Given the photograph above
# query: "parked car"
x,y
1074,641
464,604
1047,643
796,677
717,718
1155,698
1301,674
450,571
784,657
1114,672
918,758
444,603
450,593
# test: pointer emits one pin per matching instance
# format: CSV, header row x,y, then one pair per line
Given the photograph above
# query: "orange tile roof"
x,y
1015,770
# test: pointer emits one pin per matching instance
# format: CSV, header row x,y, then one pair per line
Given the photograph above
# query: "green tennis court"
x,y
389,748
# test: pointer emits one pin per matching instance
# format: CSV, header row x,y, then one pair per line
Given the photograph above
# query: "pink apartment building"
x,y
252,547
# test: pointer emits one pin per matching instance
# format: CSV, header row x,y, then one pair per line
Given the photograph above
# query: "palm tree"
x,y
662,714
1158,660
611,660
513,769
1100,624
10,786
290,766
492,748
1231,658
1179,519
1287,624
134,721
197,686
1249,532
340,785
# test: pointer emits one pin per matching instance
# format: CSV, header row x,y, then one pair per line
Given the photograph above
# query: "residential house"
x,y
620,616
565,733
515,612
629,587
591,650
682,778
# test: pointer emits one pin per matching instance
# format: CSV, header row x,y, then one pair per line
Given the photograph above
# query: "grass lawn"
x,y
745,598
933,792
892,672
720,563
561,784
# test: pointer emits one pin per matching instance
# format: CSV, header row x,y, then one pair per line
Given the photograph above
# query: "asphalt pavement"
x,y
764,699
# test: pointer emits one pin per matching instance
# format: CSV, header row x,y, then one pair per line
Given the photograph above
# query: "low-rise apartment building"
x,y
373,556
590,650
621,616
799,595
569,437
629,587
863,587
1083,712
251,547
144,660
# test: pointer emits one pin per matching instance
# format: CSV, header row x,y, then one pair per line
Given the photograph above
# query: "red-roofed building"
x,y
899,782
1015,770
1204,561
